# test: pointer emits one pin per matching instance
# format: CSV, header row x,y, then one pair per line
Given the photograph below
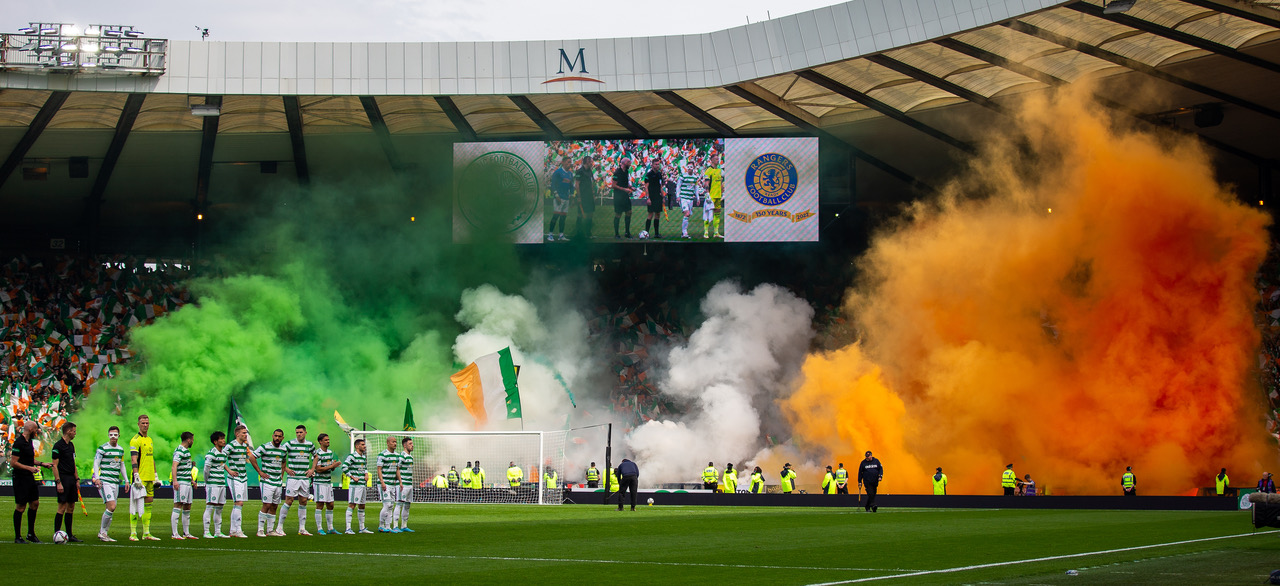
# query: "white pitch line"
x,y
1034,560
510,558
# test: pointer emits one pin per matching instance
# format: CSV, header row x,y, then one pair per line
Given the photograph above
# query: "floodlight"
x,y
88,64
26,30
1117,6
134,34
44,47
70,30
69,47
88,47
111,49
48,31
132,50
112,33
205,110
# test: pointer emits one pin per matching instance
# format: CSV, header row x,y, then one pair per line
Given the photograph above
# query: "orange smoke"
x,y
1115,331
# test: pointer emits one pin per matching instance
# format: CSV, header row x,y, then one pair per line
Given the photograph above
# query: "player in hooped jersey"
x,y
356,469
322,484
108,476
271,457
239,456
388,486
405,495
182,489
215,485
299,468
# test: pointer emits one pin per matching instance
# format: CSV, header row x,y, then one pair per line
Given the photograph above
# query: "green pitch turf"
x,y
527,544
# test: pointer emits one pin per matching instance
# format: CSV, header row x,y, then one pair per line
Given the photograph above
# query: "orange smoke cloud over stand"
x,y
1117,330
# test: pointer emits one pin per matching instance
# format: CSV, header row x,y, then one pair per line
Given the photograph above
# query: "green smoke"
x,y
324,299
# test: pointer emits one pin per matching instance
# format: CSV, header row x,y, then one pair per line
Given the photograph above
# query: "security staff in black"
x,y
26,492
628,477
593,476
870,473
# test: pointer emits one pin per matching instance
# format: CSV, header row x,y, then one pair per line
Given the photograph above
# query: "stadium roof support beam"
x,y
698,113
208,137
93,203
455,116
41,120
1237,11
938,82
883,108
1147,26
1123,61
380,129
777,107
531,110
293,116
603,103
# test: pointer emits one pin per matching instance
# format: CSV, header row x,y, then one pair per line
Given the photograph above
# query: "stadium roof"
x,y
905,87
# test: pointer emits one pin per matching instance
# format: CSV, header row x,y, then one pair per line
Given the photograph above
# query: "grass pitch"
x,y
684,545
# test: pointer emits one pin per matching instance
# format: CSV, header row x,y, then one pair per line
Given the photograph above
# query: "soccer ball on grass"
x,y
651,501
644,234
60,537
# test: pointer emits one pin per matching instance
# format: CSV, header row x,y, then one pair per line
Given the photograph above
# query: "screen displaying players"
x,y
637,190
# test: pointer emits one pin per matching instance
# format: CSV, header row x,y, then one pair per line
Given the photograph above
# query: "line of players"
x,y
289,472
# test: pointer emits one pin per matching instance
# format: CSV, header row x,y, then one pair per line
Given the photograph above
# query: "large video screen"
x,y
637,190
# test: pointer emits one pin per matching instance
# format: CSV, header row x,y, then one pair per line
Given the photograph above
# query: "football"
x,y
60,537
651,501
644,234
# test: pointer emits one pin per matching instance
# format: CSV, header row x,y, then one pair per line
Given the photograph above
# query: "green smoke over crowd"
x,y
310,301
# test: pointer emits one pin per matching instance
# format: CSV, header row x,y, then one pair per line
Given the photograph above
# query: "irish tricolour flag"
x,y
488,388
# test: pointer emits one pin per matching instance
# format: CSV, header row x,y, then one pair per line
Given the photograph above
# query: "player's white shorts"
x,y
355,494
708,210
324,492
686,205
215,494
298,487
560,206
109,492
182,494
389,495
405,494
271,494
239,490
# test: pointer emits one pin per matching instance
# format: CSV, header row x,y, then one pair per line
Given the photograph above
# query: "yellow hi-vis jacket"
x,y
757,483
1223,482
789,481
593,474
730,481
939,484
710,475
514,476
1126,481
829,483
477,479
1008,479
552,479
439,481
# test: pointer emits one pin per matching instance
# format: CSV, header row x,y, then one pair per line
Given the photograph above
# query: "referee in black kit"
x,y
68,480
628,474
870,473
26,492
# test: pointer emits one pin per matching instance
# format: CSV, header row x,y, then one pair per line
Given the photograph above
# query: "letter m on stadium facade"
x,y
577,67
565,62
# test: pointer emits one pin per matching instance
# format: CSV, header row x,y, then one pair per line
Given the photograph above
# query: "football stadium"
x,y
926,291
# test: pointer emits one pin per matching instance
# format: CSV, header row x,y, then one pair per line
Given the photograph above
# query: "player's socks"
x,y
186,521
208,516
302,518
404,516
217,520
328,517
262,519
648,222
173,520
146,519
319,518
106,521
31,520
66,520
17,524
360,515
348,518
684,226
615,226
656,231
237,518
628,217
281,516
57,522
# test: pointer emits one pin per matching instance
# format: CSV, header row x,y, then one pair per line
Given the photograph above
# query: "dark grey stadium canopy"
x,y
905,90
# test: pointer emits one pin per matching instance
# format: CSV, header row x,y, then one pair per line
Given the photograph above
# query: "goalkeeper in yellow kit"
x,y
142,455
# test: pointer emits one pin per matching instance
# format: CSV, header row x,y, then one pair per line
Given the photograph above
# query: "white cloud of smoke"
x,y
737,363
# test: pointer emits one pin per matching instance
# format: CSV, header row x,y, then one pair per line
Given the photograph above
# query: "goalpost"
x,y
540,456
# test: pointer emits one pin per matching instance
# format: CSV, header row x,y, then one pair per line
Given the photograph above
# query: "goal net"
x,y
539,456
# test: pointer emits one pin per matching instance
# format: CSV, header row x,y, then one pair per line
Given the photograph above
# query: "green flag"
x,y
408,417
510,373
234,419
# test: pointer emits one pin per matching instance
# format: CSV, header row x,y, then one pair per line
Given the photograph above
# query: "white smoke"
x,y
737,363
